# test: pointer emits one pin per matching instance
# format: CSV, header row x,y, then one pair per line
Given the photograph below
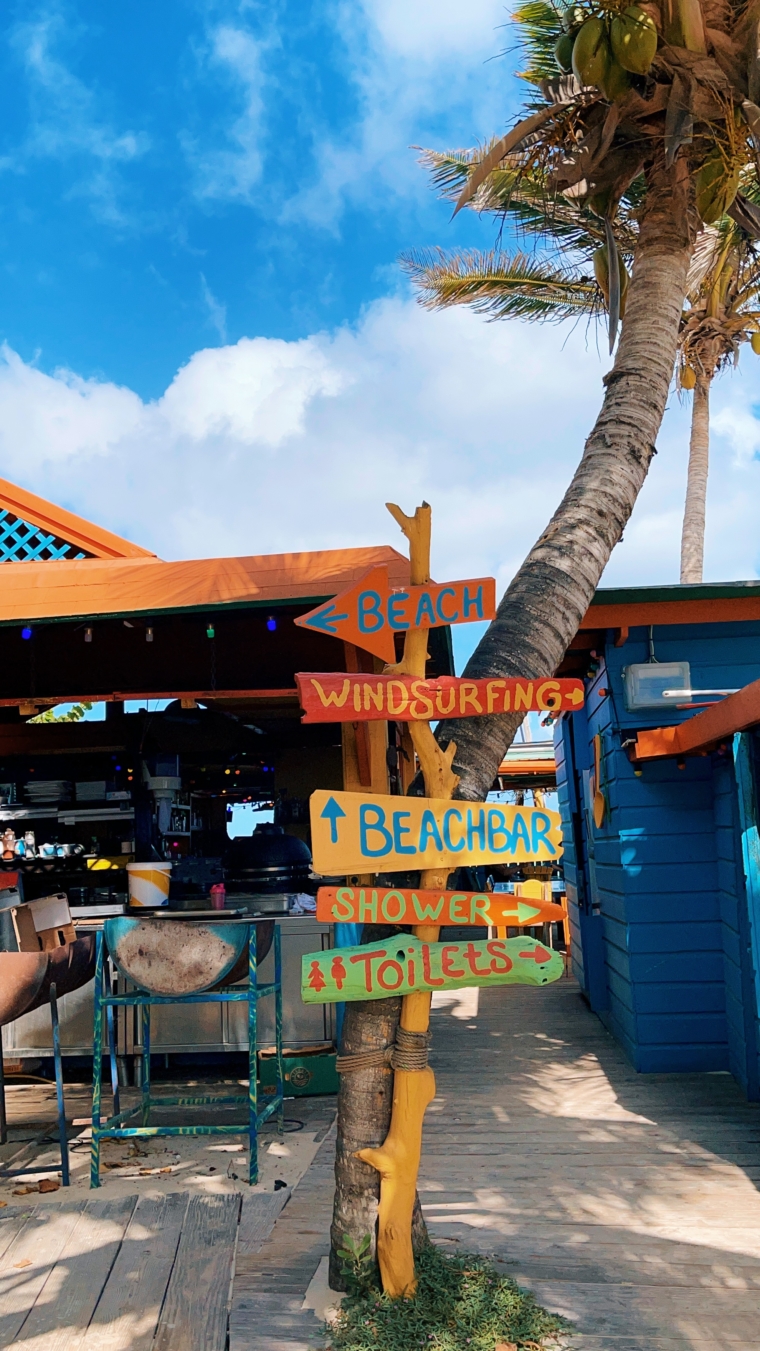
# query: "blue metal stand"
x,y
62,1138
114,1128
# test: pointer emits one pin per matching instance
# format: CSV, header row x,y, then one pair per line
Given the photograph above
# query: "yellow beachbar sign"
x,y
354,832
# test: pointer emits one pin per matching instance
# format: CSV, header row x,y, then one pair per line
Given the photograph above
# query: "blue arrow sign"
x,y
332,812
324,618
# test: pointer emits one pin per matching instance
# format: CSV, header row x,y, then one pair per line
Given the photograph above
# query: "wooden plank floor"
x,y
118,1274
628,1202
270,1282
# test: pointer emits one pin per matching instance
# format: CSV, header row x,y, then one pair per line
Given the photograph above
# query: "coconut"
x,y
602,273
688,377
633,38
617,82
563,53
754,343
716,184
591,53
573,18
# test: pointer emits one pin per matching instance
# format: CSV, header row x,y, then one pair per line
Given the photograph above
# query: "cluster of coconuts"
x,y
605,51
689,375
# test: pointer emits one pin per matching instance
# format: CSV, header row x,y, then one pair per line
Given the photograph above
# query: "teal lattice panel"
x,y
21,542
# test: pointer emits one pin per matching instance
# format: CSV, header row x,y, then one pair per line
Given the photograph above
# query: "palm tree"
x,y
663,102
722,292
724,312
678,133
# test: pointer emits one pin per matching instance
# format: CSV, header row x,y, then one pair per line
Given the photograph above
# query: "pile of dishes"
x,y
39,792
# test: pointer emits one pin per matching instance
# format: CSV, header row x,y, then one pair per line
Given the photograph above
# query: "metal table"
x,y
114,1128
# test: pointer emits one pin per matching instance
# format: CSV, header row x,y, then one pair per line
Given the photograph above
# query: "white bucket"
x,y
148,884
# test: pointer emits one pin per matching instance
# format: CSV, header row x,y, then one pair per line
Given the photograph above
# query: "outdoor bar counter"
x,y
193,664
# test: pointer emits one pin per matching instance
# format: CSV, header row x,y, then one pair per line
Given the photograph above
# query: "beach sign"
x,y
369,613
339,697
407,965
384,905
364,833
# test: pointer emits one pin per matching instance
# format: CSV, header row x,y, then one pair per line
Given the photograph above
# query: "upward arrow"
x,y
332,812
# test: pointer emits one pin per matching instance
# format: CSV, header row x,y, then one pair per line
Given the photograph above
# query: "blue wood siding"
x,y
666,868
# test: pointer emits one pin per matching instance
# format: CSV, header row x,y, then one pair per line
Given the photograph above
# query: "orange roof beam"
x,y
702,733
93,539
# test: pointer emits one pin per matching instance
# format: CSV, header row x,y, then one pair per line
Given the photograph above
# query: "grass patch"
x,y
462,1304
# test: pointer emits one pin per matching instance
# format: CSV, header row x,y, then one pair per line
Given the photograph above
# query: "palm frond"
x,y
521,195
501,286
539,26
707,251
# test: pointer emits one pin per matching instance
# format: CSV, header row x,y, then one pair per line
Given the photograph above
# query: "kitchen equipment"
x,y
92,790
43,791
267,862
261,903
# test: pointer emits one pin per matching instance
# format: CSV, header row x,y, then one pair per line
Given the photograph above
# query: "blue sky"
x,y
207,344
182,174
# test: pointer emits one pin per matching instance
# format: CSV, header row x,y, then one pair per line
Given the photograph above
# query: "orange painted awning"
x,y
525,760
702,603
98,588
702,733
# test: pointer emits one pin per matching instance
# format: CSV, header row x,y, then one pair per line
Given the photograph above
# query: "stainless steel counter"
x,y
192,1027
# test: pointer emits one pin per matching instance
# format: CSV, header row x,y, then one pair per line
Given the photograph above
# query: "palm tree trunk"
x,y
364,1116
693,534
547,599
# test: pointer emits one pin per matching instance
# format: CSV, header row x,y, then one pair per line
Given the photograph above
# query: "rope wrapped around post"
x,y
408,1052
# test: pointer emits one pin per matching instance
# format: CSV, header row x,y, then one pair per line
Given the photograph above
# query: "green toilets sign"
x,y
405,964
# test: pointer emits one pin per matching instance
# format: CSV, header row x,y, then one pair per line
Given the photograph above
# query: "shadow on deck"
x,y
627,1202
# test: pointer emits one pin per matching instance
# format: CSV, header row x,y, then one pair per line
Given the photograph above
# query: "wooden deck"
x,y
126,1274
129,1270
627,1202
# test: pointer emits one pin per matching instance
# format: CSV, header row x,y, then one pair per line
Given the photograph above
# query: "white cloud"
x,y
269,446
55,420
217,312
229,171
66,122
431,29
423,75
253,394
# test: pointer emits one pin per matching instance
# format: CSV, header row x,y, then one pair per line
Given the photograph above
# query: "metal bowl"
x,y
174,957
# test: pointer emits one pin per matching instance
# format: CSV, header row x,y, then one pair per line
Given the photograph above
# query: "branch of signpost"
x,y
398,1158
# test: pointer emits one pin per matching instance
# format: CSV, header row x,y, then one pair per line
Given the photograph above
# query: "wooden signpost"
x,y
405,965
335,697
384,905
358,833
368,614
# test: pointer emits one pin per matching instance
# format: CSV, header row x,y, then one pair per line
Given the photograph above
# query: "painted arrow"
x,y
369,613
332,812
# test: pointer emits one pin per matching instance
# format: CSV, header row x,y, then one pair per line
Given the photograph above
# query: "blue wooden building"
x,y
662,861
